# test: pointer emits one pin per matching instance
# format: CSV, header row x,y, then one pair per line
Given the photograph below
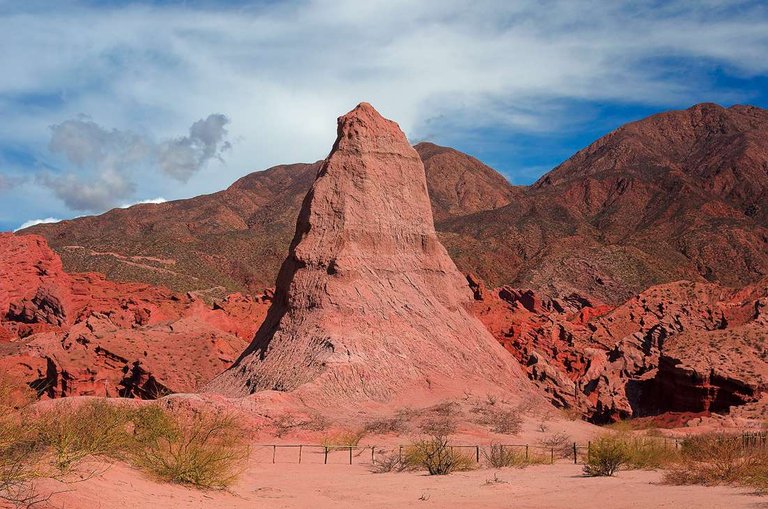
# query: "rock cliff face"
x,y
368,304
680,347
79,334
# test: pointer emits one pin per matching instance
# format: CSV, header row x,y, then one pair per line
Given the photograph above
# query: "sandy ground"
x,y
290,485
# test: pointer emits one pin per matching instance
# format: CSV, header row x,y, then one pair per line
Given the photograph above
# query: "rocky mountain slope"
x,y
678,195
631,279
80,334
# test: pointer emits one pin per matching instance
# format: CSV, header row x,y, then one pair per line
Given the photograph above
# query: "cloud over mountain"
x,y
108,161
495,74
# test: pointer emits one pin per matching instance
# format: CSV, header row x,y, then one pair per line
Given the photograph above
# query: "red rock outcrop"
x,y
681,347
368,304
79,334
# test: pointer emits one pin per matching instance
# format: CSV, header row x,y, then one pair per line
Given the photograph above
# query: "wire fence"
x,y
368,454
535,453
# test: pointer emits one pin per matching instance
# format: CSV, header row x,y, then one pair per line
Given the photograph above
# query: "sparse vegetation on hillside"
x,y
498,418
342,439
720,458
201,449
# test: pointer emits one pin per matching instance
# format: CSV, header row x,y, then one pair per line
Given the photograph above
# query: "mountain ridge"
x,y
675,196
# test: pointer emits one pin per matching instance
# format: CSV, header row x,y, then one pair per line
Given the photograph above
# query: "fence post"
x,y
373,455
350,454
400,455
274,452
300,446
552,457
526,452
575,461
325,460
589,450
477,453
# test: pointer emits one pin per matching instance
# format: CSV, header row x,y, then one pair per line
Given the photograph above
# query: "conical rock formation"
x,y
368,303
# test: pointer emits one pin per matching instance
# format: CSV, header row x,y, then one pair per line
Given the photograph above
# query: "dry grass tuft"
x,y
201,449
719,458
500,456
435,455
73,432
343,439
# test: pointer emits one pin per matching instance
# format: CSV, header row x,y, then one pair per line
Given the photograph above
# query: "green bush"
x,y
74,431
200,449
196,448
606,456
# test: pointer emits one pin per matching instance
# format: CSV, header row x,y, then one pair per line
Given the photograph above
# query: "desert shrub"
x,y
498,456
560,442
718,458
73,432
200,449
390,462
446,409
505,421
342,439
606,456
193,448
438,426
572,413
435,455
287,422
406,413
20,462
14,395
383,426
315,422
648,453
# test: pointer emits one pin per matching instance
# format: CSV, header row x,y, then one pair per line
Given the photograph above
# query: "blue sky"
x,y
109,103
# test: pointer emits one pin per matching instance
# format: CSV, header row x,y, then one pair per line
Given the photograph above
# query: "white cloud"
x,y
113,160
282,71
33,222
